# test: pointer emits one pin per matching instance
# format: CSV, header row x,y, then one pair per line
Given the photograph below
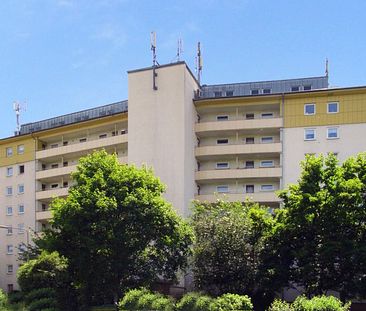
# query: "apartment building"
x,y
232,141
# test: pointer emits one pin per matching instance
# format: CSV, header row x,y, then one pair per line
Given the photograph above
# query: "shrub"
x,y
3,299
194,302
279,305
15,297
39,293
130,300
235,302
319,303
41,304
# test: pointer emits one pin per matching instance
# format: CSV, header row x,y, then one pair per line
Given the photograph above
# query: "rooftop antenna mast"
x,y
199,63
326,67
155,63
179,49
18,108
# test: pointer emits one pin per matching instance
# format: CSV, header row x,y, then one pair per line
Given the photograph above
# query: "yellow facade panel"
x,y
22,150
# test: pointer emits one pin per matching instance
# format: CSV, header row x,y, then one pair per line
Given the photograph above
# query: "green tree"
x,y
322,231
116,229
229,248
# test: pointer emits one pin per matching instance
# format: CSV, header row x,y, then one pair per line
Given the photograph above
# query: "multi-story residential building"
x,y
233,141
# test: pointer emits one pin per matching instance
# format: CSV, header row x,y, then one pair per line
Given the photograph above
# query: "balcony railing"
x,y
240,173
261,197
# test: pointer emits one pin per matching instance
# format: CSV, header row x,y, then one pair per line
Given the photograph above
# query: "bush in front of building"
x,y
41,299
3,300
235,302
280,305
194,301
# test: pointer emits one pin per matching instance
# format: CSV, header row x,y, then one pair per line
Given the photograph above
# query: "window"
x,y
249,116
222,141
54,145
20,149
10,288
333,107
82,140
229,93
267,91
218,94
267,115
249,164
266,187
124,131
9,210
267,163
44,207
267,140
222,189
254,92
44,166
222,165
65,143
65,184
54,165
9,151
53,186
9,269
249,140
20,189
21,248
9,249
10,230
295,88
249,188
309,134
21,209
103,136
332,133
21,169
309,109
65,163
21,228
9,171
9,190
114,133
222,118
307,87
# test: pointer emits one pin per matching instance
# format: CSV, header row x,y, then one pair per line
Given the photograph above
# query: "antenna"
x,y
199,63
18,107
153,49
179,49
326,67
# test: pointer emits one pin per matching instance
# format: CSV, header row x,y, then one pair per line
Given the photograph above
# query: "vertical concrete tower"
x,y
161,128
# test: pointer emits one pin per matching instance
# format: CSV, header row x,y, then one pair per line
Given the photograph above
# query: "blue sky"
x,y
61,56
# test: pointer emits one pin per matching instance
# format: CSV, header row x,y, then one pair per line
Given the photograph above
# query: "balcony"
x,y
217,126
260,197
52,193
219,150
43,216
82,147
268,172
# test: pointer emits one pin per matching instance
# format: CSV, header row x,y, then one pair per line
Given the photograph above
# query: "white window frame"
x,y
20,149
267,115
9,171
267,142
265,165
248,186
20,212
21,248
9,249
7,193
222,186
9,152
217,141
21,187
222,163
267,186
309,139
331,103
333,128
21,228
9,211
309,114
249,167
10,230
222,117
9,269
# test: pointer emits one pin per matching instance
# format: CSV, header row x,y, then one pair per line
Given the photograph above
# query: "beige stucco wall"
x,y
351,141
161,129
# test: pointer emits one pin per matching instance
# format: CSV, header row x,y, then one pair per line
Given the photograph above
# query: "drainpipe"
x,y
282,136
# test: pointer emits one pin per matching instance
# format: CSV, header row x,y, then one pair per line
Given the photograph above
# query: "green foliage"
x,y
39,293
228,302
279,305
142,299
3,299
231,239
194,302
42,304
319,303
15,297
321,232
116,229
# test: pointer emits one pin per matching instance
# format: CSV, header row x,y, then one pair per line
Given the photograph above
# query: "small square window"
x,y
9,210
309,134
54,165
10,288
229,93
267,140
249,188
9,151
222,141
21,248
9,269
20,228
295,88
222,189
309,109
21,169
254,92
20,189
9,171
222,118
222,165
20,149
218,94
307,87
10,230
249,116
333,107
65,143
267,187
267,163
249,164
332,133
267,115
124,131
65,163
20,209
267,91
249,140
9,191
9,249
